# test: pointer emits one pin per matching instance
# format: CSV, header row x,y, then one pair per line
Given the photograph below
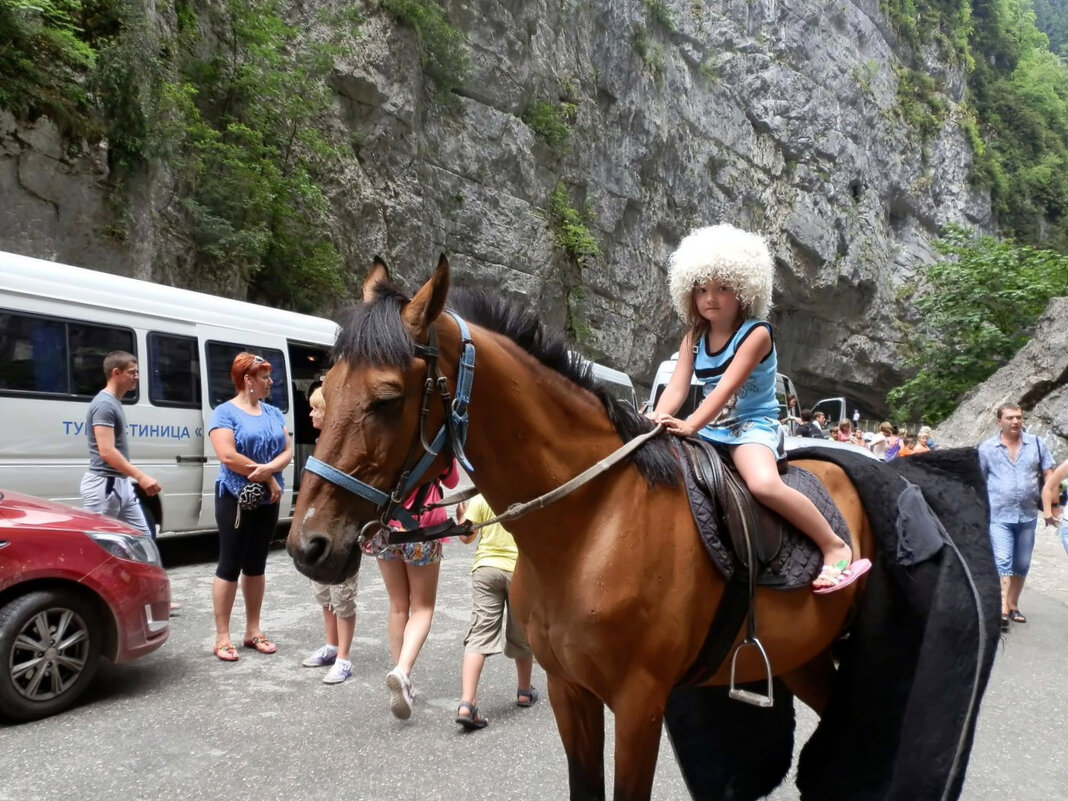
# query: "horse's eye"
x,y
386,405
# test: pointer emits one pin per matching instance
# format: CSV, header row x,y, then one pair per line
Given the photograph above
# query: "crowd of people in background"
x,y
888,441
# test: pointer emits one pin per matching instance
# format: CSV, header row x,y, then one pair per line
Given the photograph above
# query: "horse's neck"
x,y
530,430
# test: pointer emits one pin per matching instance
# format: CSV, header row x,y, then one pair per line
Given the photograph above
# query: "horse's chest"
x,y
566,629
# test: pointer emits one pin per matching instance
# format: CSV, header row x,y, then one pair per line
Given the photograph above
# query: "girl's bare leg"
x,y
756,466
395,577
423,581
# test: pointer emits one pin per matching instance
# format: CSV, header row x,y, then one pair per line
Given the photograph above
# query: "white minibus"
x,y
56,325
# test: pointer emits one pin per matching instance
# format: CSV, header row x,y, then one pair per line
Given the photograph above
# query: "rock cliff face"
x,y
778,117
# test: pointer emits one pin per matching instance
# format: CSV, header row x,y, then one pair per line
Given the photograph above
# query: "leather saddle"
x,y
756,533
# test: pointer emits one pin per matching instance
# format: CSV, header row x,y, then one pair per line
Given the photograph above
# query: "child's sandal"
x,y
471,721
840,575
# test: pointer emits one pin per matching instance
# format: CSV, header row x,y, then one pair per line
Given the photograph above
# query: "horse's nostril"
x,y
312,549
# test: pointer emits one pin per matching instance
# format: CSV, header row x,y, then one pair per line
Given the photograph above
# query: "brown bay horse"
x,y
614,589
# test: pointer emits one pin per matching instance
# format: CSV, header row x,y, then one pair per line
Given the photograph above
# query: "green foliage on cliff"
x,y
979,304
444,49
571,235
551,121
44,52
661,12
231,106
651,53
1017,103
978,308
1051,17
247,155
569,228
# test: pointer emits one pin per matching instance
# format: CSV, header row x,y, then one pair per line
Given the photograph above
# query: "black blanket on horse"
x,y
901,718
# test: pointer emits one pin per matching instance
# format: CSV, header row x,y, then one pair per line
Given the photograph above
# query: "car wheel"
x,y
50,644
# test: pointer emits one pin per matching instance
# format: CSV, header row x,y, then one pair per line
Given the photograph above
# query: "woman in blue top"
x,y
250,438
720,283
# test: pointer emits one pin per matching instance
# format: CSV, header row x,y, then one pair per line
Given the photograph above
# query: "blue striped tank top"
x,y
754,405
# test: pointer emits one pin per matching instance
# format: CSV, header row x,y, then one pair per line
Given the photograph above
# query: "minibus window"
x,y
57,357
33,354
89,344
221,359
173,371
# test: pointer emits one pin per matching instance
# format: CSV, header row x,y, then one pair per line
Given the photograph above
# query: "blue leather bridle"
x,y
453,432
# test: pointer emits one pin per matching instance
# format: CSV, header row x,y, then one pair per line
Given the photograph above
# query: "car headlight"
x,y
132,547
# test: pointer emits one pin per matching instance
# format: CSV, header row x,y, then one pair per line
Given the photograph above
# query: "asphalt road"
x,y
180,724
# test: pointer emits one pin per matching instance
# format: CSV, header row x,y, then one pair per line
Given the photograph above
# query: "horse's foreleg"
x,y
580,720
639,712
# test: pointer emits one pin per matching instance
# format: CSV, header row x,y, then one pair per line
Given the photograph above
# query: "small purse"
x,y
250,497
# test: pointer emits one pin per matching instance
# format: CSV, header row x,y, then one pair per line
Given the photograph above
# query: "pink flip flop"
x,y
843,578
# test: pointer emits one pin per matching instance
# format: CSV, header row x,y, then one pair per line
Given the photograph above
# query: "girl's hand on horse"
x,y
682,428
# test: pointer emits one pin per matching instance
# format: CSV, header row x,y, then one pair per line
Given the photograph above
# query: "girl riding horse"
x,y
721,284
613,587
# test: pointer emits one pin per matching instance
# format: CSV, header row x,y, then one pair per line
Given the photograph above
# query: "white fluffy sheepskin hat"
x,y
723,253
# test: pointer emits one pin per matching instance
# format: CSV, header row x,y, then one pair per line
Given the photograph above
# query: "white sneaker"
x,y
321,658
341,670
400,693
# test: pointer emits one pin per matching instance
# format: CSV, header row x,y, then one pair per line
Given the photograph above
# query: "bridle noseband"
x,y
453,432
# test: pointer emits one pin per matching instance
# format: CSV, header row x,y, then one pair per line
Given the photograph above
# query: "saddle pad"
x,y
798,561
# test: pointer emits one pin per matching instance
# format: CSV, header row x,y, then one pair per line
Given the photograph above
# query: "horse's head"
x,y
374,395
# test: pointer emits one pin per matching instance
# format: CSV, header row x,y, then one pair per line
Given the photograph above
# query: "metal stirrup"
x,y
748,696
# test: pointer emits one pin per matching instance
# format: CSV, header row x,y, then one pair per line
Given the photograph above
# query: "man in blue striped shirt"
x,y
1016,465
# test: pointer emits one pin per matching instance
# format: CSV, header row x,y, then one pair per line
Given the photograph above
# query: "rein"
x,y
453,432
397,536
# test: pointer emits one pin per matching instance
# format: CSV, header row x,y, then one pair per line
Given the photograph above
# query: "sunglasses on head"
x,y
258,360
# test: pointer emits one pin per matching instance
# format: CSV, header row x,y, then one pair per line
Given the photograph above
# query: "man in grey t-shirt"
x,y
107,488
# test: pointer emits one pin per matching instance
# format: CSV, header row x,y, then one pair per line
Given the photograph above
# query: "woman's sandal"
x,y
1016,616
841,575
472,721
227,653
530,694
261,644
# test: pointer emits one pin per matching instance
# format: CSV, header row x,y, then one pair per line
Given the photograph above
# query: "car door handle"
x,y
201,459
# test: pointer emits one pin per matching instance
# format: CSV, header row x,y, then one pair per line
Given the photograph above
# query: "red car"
x,y
74,586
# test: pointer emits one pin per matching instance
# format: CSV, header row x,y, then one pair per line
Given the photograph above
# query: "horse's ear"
x,y
428,301
379,275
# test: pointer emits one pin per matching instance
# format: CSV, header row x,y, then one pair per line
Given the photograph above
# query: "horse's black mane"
x,y
372,333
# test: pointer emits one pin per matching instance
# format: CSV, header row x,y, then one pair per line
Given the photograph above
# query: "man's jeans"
x,y
1013,544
